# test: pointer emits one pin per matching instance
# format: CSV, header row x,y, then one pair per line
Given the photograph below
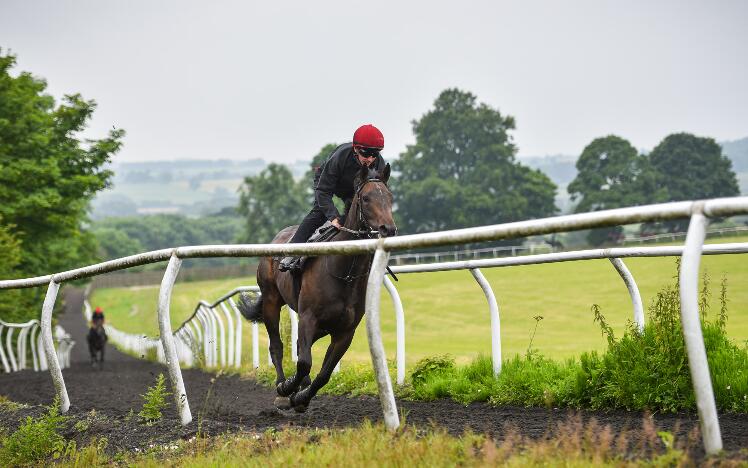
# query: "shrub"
x,y
35,440
649,369
155,401
431,366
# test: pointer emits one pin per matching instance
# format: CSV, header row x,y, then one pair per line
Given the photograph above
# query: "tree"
x,y
269,202
48,175
462,170
682,158
692,168
9,260
611,174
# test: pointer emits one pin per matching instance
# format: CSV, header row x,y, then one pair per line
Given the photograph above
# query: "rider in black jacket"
x,y
336,177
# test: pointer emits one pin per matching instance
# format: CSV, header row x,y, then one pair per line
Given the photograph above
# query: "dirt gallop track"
x,y
227,402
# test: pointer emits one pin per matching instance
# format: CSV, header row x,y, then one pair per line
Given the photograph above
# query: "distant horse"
x,y
96,343
331,296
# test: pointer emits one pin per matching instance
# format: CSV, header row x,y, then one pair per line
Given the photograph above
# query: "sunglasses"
x,y
367,152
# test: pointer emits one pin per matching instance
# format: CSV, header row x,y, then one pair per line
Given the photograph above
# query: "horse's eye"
x,y
366,199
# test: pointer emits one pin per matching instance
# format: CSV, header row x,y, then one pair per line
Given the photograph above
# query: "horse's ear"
x,y
386,173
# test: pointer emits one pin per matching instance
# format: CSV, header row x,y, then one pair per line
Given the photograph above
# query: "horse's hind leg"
x,y
338,346
271,306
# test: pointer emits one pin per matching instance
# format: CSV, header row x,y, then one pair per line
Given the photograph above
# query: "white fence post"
x,y
691,321
49,347
374,334
237,334
636,298
400,327
493,310
294,334
167,340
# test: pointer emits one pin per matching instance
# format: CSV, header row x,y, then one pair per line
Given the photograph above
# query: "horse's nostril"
x,y
387,231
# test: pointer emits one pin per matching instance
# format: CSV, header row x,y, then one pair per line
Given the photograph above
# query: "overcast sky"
x,y
278,80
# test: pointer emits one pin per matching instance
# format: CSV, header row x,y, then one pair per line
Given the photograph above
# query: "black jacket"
x,y
336,176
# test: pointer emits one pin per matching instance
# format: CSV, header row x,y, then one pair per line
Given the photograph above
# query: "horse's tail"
x,y
250,308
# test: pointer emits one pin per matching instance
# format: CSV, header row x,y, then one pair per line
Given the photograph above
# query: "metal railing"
x,y
698,212
18,351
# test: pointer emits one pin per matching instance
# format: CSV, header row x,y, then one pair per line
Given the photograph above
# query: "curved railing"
x,y
697,211
16,355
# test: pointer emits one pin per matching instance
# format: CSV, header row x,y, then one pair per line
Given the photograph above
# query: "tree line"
x,y
461,171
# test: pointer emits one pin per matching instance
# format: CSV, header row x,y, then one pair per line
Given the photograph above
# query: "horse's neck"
x,y
353,265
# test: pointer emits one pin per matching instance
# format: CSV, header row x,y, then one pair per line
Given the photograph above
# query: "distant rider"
x,y
98,317
336,177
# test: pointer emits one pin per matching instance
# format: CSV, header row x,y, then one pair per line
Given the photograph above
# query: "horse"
x,y
329,294
97,339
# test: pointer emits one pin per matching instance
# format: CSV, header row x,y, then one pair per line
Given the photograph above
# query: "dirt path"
x,y
228,402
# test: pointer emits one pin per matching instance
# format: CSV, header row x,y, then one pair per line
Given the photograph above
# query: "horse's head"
x,y
374,201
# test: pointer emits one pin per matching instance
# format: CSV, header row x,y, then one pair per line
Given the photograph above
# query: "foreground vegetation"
x,y
572,443
639,371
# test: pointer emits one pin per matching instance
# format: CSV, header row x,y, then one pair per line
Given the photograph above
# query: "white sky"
x,y
278,80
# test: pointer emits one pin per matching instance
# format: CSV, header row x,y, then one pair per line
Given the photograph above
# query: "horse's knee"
x,y
303,367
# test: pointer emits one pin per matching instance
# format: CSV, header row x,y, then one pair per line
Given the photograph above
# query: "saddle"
x,y
323,234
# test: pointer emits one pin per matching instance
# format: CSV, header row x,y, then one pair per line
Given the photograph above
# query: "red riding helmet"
x,y
98,310
368,136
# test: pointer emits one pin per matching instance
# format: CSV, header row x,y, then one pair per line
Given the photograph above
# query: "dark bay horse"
x,y
97,339
331,296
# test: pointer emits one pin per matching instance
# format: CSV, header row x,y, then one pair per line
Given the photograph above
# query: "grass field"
x,y
446,312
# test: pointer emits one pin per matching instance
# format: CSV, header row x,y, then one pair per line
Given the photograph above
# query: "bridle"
x,y
367,232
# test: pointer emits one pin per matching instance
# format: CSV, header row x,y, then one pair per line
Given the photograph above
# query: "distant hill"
x,y
189,187
561,169
737,151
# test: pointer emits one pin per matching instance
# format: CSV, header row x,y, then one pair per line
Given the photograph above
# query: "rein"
x,y
367,233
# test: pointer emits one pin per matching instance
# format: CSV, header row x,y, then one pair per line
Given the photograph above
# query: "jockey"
x,y
98,316
335,177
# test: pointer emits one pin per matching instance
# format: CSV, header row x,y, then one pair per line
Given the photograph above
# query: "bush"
x,y
35,440
649,369
431,366
155,401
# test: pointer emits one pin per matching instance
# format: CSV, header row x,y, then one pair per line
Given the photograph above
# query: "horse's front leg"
x,y
338,346
308,334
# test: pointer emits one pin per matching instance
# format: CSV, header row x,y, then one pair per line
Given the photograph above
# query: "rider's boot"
x,y
288,264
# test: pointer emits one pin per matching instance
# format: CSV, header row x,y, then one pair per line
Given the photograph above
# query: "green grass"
x,y
574,443
446,312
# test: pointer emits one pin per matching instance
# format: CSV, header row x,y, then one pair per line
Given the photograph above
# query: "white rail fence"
x,y
26,349
698,212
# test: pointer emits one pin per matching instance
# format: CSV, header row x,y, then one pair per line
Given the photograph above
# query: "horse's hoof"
x,y
279,390
282,403
300,408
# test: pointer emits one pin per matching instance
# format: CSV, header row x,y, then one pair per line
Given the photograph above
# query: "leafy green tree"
x,y
462,170
9,260
611,174
270,201
48,175
692,168
119,237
